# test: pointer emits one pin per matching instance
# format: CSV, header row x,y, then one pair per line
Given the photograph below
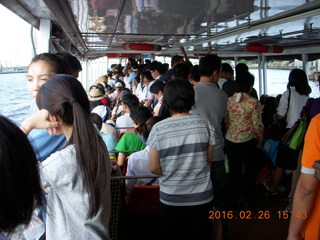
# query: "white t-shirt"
x,y
138,165
146,94
124,122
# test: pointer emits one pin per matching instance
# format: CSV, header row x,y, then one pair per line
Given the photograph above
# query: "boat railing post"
x,y
264,74
305,63
259,74
44,36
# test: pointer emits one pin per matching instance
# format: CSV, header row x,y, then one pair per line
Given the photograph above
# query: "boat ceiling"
x,y
94,28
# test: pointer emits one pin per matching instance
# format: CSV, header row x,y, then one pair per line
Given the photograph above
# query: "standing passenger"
x,y
41,68
211,102
181,150
76,178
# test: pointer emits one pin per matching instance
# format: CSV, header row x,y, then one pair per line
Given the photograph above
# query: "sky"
x,y
15,42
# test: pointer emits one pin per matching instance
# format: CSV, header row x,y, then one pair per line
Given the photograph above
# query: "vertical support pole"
x,y
85,74
235,62
305,63
44,37
259,73
264,75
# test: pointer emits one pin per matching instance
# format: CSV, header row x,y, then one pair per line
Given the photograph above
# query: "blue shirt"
x,y
110,142
44,144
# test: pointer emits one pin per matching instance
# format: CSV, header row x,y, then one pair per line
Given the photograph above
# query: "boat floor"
x,y
274,227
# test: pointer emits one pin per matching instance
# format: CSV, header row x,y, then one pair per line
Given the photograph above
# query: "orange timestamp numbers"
x,y
260,215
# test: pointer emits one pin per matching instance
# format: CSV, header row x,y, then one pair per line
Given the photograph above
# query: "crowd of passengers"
x,y
182,126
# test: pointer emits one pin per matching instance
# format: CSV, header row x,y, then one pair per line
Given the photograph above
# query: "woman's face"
x,y
38,73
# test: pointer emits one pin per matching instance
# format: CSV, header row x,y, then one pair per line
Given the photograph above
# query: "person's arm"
x,y
257,123
147,103
302,204
121,159
210,154
40,120
154,162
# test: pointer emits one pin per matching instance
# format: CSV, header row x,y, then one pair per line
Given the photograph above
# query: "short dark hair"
x,y
19,177
140,114
241,68
147,75
194,73
156,87
181,70
208,64
243,82
155,65
72,61
131,100
179,95
176,59
226,67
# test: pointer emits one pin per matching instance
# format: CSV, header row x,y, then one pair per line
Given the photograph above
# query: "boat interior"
x,y
119,28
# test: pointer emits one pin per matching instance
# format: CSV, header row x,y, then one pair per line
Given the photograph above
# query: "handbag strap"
x,y
289,98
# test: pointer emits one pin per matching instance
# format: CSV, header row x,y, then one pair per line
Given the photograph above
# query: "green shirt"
x,y
130,141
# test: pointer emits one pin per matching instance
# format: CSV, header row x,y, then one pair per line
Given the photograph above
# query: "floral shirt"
x,y
243,119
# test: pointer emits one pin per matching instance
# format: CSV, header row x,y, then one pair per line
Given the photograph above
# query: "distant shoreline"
x,y
13,72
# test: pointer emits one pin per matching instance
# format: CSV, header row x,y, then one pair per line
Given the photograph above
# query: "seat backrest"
x,y
144,200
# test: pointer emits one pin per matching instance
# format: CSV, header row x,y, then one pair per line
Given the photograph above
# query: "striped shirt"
x,y
182,144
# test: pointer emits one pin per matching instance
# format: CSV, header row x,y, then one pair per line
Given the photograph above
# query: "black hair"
x,y
194,73
64,96
176,59
178,94
58,64
156,87
226,67
96,120
72,61
134,65
148,126
147,75
243,82
181,70
208,64
298,79
131,100
155,65
140,115
269,109
241,68
20,188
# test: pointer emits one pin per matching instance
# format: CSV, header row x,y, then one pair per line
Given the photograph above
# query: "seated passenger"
x,y
138,162
133,141
19,181
108,139
123,123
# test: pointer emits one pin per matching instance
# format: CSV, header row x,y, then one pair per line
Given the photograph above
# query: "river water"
x,y
15,100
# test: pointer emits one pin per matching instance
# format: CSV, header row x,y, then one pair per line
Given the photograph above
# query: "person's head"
x,y
176,59
41,68
210,67
148,126
64,97
156,69
96,92
194,75
72,61
129,102
298,79
139,117
241,68
179,96
19,178
134,65
243,82
181,70
157,89
96,120
227,71
119,85
146,77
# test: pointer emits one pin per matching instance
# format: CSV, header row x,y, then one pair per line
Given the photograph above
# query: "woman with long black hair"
x,y
76,178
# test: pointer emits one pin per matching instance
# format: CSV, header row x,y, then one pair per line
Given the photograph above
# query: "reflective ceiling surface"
x,y
98,27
